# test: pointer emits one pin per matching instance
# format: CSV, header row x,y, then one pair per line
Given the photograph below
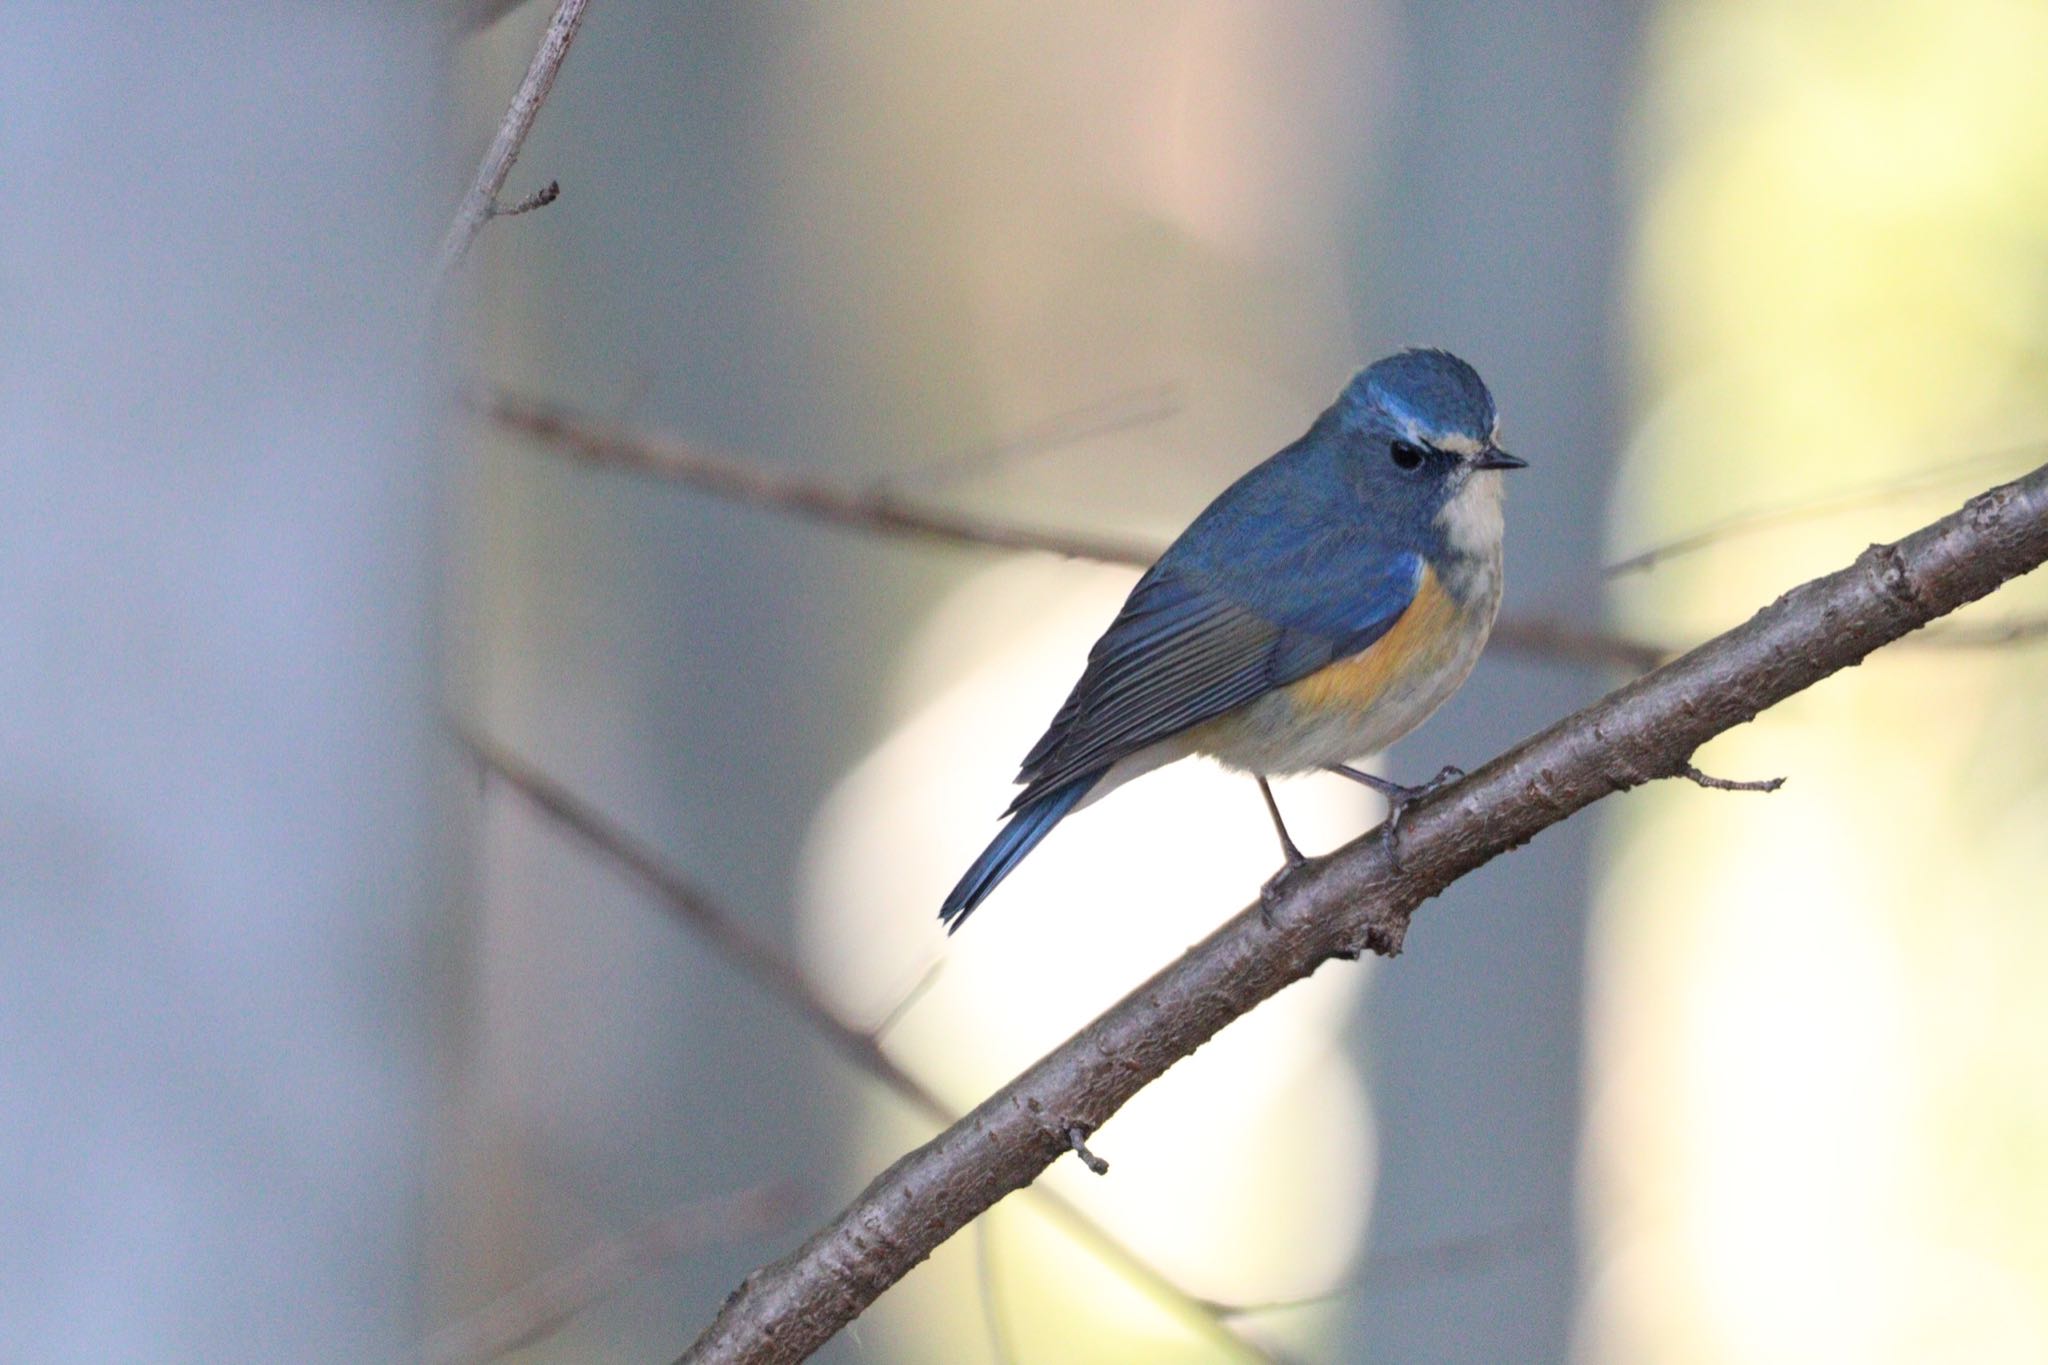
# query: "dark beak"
x,y
1493,457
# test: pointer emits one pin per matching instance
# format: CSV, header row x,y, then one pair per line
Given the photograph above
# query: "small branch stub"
x,y
1077,1138
1727,784
539,199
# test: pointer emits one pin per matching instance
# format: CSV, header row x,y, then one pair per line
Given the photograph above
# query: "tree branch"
x,y
794,492
1360,898
769,968
480,205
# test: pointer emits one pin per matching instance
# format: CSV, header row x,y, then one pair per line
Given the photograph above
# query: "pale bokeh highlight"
x,y
1246,1173
1818,1126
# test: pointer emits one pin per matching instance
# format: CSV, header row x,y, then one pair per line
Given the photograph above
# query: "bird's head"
x,y
1420,432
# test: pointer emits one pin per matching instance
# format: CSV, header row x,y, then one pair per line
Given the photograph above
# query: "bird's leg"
x,y
1398,797
1271,890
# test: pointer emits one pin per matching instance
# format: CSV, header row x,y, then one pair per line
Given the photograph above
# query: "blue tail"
x,y
1018,838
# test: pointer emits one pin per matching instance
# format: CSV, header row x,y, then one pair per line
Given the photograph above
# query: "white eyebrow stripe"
x,y
1409,420
1414,431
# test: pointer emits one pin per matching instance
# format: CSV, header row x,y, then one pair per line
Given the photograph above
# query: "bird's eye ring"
x,y
1406,456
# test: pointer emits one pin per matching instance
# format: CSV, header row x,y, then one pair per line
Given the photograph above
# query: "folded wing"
x,y
1184,650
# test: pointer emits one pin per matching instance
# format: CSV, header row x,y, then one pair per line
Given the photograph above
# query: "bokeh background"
x,y
1697,1077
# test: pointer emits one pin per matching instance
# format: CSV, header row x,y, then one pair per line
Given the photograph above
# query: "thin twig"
x,y
1872,494
539,199
481,203
759,960
1361,898
790,491
1121,412
765,965
1450,1257
545,1303
1077,1143
1550,638
1729,784
926,979
1989,635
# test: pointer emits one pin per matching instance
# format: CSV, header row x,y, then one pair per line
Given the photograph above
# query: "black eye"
x,y
1406,456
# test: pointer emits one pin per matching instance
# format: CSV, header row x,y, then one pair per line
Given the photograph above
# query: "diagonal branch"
x,y
481,205
1361,899
1876,493
772,970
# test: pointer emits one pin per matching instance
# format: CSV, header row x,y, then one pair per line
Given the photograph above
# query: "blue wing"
x,y
1203,633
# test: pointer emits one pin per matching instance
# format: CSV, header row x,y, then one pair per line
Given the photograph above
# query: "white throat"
x,y
1471,518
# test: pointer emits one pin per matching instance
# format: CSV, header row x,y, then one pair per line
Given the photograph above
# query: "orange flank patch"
x,y
1423,633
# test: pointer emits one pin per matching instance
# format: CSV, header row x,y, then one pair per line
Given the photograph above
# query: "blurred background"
x,y
330,1034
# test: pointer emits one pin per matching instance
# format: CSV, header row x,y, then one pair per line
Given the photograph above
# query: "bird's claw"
x,y
1276,886
1399,798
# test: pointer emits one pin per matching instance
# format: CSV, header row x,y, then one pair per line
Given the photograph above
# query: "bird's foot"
x,y
1276,885
1398,797
1269,894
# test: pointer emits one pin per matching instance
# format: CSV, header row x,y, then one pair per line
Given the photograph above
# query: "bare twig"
x,y
1990,635
1362,898
1550,638
1452,1256
790,491
1872,494
1728,784
770,969
481,203
461,17
1077,1143
545,1303
926,979
762,962
539,199
1118,413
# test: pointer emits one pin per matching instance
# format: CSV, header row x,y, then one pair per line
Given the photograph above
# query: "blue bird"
x,y
1319,609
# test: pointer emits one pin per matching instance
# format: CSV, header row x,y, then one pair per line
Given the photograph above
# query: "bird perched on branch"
x,y
1319,609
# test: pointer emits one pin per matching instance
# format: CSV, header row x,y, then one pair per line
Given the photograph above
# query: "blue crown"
x,y
1424,392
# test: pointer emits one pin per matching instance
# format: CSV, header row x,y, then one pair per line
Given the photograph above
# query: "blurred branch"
x,y
794,492
543,1304
757,959
1360,899
879,510
1452,1256
1136,408
539,199
1989,635
766,966
1872,494
480,205
461,17
1549,638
